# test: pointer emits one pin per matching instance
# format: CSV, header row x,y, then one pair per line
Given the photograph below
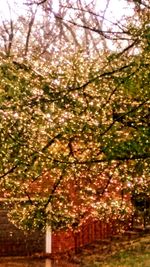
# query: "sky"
x,y
116,9
115,12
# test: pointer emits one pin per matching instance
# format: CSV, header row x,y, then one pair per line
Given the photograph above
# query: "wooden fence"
x,y
90,231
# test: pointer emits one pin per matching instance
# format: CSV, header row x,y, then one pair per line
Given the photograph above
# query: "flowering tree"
x,y
75,127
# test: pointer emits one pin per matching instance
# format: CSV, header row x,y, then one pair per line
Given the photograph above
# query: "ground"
x,y
130,250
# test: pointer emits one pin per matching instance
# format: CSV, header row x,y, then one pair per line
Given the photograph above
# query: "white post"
x,y
48,239
48,263
48,245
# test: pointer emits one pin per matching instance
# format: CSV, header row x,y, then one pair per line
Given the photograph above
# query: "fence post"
x,y
48,263
48,246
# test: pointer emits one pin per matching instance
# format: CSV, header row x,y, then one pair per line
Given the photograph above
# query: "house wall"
x,y
14,242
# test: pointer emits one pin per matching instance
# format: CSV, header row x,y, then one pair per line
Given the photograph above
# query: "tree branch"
x,y
29,33
55,186
9,171
117,158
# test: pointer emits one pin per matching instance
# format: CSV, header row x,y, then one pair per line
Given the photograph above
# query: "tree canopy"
x,y
74,113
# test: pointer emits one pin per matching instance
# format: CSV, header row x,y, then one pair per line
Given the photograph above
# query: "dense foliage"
x,y
75,126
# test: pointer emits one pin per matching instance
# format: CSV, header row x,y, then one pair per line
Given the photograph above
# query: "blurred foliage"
x,y
75,131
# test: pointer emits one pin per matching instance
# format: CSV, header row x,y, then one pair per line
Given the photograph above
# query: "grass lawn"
x,y
122,253
127,259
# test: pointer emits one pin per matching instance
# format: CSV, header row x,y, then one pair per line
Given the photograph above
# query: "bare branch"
x,y
8,40
29,33
35,2
103,33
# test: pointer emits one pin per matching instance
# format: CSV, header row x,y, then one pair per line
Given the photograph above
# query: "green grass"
x,y
136,254
127,259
